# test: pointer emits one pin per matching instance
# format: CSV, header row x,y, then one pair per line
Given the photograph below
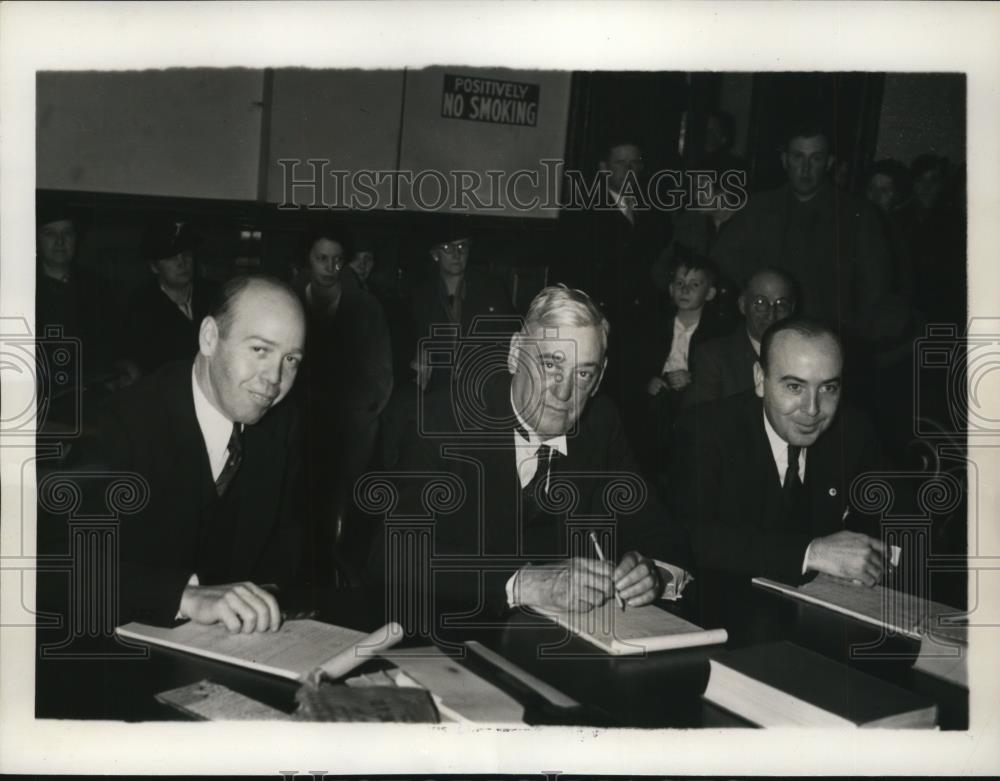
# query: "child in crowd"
x,y
686,322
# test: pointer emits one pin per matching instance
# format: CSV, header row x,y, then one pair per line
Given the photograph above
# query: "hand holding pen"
x,y
600,556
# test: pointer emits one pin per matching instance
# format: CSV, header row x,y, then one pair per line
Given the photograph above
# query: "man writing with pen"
x,y
542,461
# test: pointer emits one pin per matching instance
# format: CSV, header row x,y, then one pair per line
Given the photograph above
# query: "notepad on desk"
x,y
903,613
783,685
298,648
636,630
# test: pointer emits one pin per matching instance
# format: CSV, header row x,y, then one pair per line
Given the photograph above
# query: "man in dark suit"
x,y
723,366
620,234
219,454
830,241
763,479
536,465
165,315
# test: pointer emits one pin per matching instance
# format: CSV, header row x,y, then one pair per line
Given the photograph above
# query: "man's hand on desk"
x,y
848,555
242,607
577,584
638,579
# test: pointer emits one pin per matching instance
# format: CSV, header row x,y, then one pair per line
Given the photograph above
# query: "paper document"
x,y
635,630
296,649
905,614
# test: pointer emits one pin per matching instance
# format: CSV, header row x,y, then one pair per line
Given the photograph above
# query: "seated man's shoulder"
x,y
722,415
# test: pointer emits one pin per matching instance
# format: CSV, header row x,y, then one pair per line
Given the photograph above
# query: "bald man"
x,y
724,366
219,451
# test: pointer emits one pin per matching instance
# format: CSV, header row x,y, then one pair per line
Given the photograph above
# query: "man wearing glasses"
x,y
723,366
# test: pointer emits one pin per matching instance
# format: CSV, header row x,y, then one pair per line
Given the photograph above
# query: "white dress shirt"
x,y
680,346
526,450
216,428
184,306
625,204
779,449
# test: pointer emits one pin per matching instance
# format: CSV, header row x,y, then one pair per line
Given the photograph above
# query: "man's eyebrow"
x,y
270,343
793,378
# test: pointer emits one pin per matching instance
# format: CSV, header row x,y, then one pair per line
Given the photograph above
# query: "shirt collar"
x,y
216,428
779,449
533,441
679,327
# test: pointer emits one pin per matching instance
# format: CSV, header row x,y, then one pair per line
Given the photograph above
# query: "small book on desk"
x,y
783,685
636,630
297,649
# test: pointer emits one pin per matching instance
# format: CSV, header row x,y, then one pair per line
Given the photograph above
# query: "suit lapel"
x,y
825,485
263,457
191,459
766,471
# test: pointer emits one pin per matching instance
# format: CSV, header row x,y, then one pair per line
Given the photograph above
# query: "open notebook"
x,y
297,649
636,630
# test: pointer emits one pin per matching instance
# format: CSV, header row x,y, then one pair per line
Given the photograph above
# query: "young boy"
x,y
691,287
667,370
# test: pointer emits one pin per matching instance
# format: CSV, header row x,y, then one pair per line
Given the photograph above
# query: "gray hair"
x,y
559,305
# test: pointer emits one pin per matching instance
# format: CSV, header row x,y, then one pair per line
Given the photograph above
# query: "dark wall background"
x,y
872,115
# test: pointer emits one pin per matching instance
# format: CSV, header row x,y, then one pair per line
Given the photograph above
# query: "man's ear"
x,y
742,305
153,268
784,161
758,379
711,293
208,336
513,355
597,385
830,163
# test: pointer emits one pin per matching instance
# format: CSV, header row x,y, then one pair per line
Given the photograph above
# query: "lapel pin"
x,y
833,492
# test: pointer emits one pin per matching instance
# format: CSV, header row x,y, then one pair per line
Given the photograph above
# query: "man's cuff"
x,y
512,590
192,581
805,559
676,579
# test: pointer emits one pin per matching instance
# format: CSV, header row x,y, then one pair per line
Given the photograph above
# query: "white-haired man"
x,y
542,463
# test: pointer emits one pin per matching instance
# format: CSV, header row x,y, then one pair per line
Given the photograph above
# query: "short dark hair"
x,y
330,232
894,169
779,272
224,305
694,261
803,326
807,127
612,141
726,121
928,162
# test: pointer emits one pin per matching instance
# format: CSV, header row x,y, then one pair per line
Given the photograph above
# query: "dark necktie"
x,y
545,455
232,463
792,484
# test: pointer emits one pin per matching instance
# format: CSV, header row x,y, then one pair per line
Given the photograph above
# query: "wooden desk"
x,y
660,690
